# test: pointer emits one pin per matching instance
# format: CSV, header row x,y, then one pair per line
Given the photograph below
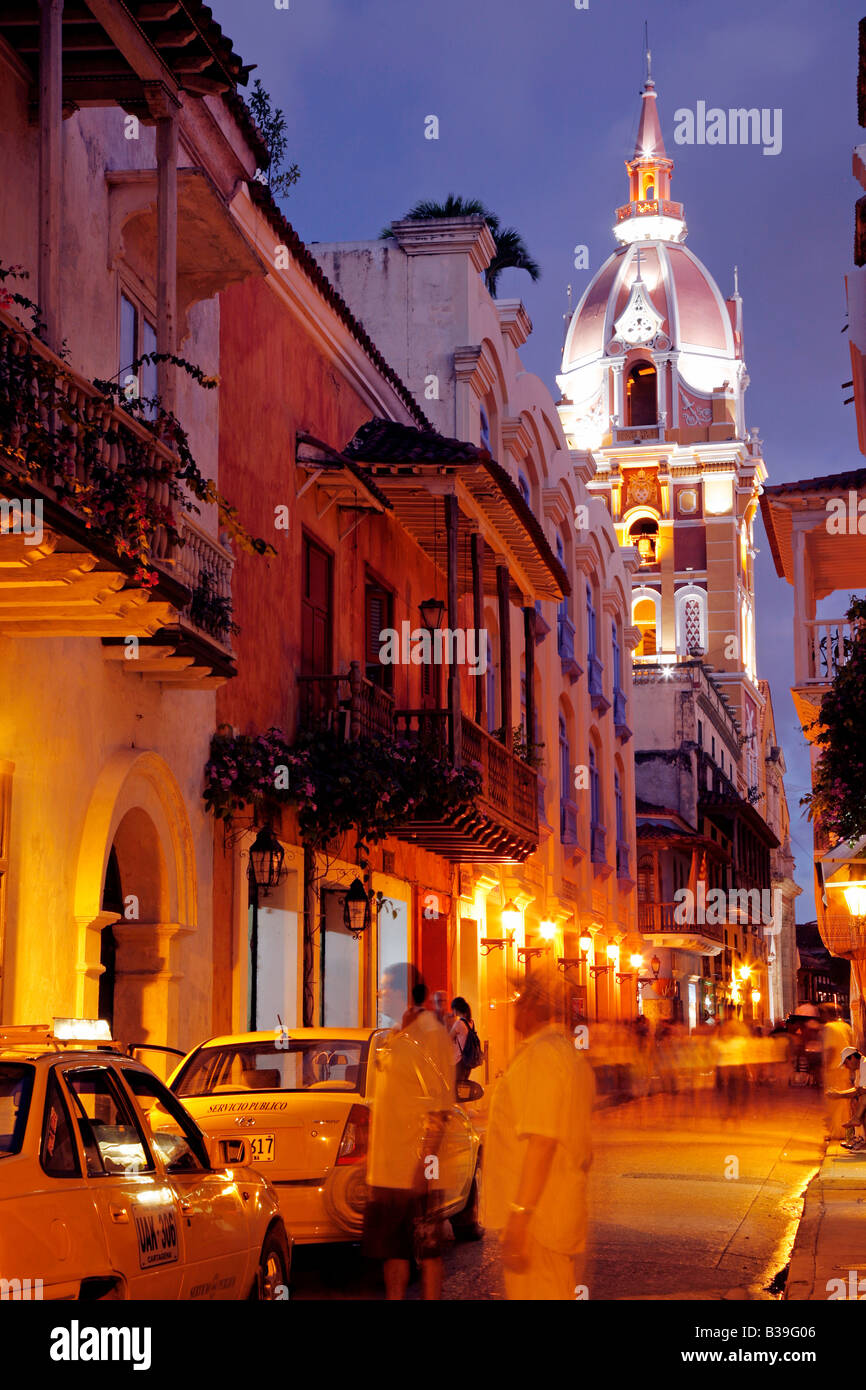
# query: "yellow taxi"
x,y
302,1097
108,1188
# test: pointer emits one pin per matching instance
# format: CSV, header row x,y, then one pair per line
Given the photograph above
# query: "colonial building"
x,y
115,599
653,382
558,684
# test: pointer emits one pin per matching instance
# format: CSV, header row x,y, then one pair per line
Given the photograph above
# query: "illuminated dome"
x,y
652,301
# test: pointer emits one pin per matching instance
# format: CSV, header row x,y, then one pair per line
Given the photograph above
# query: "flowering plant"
x,y
56,436
838,798
370,785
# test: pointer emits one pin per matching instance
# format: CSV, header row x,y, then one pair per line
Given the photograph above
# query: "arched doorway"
x,y
135,900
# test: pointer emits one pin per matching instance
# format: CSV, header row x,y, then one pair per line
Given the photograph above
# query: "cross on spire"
x,y
649,56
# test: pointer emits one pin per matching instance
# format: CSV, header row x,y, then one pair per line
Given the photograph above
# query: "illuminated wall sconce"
x,y
511,917
495,943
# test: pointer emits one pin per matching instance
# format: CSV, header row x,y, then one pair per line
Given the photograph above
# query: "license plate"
x,y
261,1147
157,1238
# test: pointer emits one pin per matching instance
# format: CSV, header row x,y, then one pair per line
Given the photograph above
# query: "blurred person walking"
x,y
538,1151
836,1034
464,1039
414,1091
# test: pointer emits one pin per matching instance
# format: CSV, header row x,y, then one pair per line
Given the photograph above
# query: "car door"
x,y
216,1210
136,1205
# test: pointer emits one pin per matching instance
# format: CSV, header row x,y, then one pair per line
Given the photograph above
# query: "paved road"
x,y
684,1204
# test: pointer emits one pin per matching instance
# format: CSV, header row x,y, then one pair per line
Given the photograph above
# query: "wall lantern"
x,y
510,916
756,996
432,611
356,909
267,861
855,897
547,930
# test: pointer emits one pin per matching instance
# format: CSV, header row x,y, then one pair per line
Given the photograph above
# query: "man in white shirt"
x,y
413,1094
538,1152
855,1065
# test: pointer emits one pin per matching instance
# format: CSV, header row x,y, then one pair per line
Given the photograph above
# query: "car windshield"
x,y
16,1085
284,1064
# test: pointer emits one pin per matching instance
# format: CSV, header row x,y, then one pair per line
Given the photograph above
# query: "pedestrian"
x,y
538,1151
439,1000
836,1034
855,1066
459,1034
414,1093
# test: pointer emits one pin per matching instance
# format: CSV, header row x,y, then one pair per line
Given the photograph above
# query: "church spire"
x,y
649,213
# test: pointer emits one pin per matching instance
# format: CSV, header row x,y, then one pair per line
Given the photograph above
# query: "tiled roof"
x,y
383,441
264,199
255,139
831,482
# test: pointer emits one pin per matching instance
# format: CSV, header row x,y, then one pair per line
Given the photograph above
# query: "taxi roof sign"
x,y
63,1031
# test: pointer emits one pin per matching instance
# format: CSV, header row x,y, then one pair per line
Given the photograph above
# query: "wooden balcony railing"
x,y
29,368
660,917
507,805
347,702
205,568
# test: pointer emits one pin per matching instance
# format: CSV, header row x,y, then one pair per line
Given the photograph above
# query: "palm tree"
x,y
511,251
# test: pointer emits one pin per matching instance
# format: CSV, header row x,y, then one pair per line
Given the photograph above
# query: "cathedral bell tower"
x,y
653,383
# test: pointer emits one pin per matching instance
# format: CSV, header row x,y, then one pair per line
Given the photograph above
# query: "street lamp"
x,y
510,917
432,610
756,996
855,897
356,909
267,866
547,930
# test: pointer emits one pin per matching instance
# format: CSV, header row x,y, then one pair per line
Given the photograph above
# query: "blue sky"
x,y
538,106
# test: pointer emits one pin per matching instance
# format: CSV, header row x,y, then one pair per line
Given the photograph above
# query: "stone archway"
x,y
137,809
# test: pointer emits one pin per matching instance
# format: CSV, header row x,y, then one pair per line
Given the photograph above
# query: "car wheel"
x,y
272,1283
464,1223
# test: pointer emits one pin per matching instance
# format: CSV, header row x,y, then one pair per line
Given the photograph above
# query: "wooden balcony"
x,y
658,924
65,577
347,703
502,826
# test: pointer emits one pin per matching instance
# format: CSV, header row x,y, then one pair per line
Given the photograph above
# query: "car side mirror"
x,y
229,1153
469,1090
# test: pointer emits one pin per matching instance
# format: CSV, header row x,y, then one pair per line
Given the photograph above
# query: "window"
x,y
564,761
113,1142
620,818
316,610
617,657
175,1137
594,790
562,610
590,622
691,614
137,337
523,484
58,1154
379,614
700,733
640,395
16,1085
645,620
484,433
492,721
293,1064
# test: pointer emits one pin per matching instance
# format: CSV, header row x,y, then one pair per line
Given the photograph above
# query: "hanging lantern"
x,y
267,858
432,612
356,909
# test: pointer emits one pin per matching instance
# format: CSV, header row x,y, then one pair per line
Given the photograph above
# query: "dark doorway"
x,y
112,901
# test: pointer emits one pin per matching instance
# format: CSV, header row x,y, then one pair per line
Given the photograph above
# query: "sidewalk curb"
x,y
830,1241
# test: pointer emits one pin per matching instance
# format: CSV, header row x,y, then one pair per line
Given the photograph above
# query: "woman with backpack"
x,y
464,1039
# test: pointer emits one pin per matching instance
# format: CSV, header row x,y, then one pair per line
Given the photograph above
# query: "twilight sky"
x,y
538,106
